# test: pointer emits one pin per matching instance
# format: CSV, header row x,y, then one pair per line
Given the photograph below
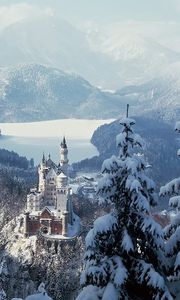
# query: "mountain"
x,y
34,92
158,98
53,42
107,58
136,58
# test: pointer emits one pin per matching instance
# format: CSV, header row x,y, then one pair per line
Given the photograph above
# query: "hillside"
x,y
26,262
34,92
16,177
161,144
158,98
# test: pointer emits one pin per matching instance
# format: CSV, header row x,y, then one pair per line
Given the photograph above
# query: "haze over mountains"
x,y
53,68
31,92
108,58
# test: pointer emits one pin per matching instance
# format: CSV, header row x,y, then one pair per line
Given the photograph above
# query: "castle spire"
x,y
64,156
43,158
63,143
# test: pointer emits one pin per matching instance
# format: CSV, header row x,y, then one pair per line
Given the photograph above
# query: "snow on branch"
x,y
172,246
120,274
149,225
127,243
104,223
172,187
175,202
128,122
140,203
101,225
110,165
110,292
91,292
147,274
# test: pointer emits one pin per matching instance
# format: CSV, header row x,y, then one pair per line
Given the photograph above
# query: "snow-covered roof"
x,y
48,208
62,175
51,209
35,213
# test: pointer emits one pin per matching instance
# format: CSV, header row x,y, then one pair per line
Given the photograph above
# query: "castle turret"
x,y
62,190
43,160
64,156
42,170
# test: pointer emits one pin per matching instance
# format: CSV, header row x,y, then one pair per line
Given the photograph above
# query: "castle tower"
x,y
64,156
41,171
62,191
50,188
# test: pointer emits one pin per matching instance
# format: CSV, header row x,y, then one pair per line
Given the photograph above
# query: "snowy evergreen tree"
x,y
124,249
172,231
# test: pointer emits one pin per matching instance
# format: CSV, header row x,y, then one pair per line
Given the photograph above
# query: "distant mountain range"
x,y
158,98
106,58
32,92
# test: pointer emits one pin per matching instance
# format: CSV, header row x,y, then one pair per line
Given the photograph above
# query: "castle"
x,y
49,207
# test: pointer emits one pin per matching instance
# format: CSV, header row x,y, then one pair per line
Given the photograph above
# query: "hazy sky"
x,y
111,10
158,19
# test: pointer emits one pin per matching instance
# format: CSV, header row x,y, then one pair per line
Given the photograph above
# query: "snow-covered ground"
x,y
32,139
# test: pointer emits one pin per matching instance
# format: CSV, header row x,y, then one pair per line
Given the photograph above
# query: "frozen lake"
x,y
32,139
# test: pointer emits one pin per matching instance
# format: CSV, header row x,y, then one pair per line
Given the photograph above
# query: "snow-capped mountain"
x,y
33,92
136,58
107,58
158,97
51,41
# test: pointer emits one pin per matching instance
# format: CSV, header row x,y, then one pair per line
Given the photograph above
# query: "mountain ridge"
x,y
34,92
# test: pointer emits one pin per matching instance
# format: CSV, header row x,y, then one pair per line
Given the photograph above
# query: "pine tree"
x,y
124,248
172,231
